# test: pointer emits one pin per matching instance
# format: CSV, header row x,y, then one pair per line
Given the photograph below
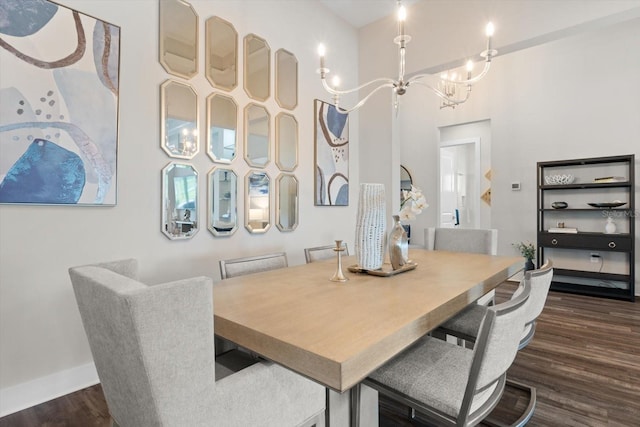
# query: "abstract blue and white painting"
x,y
59,74
331,155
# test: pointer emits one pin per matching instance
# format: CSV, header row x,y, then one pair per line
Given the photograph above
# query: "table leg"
x,y
340,408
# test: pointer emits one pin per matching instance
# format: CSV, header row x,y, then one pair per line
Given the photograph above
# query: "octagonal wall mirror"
x,y
257,71
222,210
257,207
257,132
178,38
286,79
221,53
286,142
179,132
286,202
222,128
179,201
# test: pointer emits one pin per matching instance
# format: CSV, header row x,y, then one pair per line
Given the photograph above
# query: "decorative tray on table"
x,y
385,271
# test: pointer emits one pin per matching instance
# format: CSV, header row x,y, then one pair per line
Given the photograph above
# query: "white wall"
x,y
41,336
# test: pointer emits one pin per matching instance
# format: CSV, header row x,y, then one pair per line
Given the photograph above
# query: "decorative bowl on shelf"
x,y
559,179
614,204
559,205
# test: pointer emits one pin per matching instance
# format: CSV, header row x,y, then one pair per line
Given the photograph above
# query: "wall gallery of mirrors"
x,y
180,128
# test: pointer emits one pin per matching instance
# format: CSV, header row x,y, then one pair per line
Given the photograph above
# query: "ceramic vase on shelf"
x,y
370,227
398,244
610,227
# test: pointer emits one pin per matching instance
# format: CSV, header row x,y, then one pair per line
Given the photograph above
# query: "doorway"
x,y
459,195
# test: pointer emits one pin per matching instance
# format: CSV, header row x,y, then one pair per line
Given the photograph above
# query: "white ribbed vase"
x,y
371,227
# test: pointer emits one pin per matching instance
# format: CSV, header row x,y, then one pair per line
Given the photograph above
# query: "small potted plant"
x,y
528,251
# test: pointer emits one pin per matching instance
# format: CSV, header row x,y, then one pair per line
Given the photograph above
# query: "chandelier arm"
x,y
450,100
366,98
467,82
388,83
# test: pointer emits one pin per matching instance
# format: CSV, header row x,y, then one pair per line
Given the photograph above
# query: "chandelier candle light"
x,y
451,88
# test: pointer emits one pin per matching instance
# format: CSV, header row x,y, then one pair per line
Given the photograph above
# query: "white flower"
x,y
412,204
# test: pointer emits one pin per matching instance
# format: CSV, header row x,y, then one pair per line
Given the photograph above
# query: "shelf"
x,y
597,291
592,275
586,185
585,209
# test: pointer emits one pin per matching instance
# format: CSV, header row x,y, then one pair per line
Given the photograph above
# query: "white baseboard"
x,y
31,393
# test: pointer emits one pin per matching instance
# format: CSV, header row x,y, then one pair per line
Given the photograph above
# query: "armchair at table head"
x,y
475,240
320,253
153,349
452,385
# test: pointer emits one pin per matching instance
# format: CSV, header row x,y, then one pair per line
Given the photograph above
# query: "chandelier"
x,y
452,87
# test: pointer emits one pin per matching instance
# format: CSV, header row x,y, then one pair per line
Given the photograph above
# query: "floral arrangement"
x,y
412,204
527,250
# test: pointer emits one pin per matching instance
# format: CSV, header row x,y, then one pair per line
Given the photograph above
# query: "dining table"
x,y
337,333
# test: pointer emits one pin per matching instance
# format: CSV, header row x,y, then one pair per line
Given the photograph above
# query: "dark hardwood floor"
x,y
584,361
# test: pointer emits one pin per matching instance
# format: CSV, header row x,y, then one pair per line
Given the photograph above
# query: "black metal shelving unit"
x,y
595,283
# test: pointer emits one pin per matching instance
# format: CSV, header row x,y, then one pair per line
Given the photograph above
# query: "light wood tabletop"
x,y
338,333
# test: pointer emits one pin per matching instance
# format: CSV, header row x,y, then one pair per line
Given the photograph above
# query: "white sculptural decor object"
x,y
370,226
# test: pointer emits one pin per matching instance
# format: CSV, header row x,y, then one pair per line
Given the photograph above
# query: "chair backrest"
x,y
319,253
540,283
494,352
152,345
248,265
475,240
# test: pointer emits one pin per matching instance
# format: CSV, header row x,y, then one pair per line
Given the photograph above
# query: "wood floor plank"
x,y
584,361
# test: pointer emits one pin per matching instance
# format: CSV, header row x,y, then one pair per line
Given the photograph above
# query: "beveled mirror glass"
x,y
221,53
257,71
179,120
178,38
286,142
222,195
222,128
286,79
179,201
286,202
257,131
257,212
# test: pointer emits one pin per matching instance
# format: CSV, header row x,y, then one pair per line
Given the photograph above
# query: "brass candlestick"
x,y
339,276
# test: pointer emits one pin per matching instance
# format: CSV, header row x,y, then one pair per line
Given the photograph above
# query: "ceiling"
x,y
359,13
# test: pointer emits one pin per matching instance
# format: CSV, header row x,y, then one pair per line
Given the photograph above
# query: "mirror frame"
x,y
279,202
209,126
281,103
246,136
247,203
163,116
248,38
209,31
164,220
279,163
211,199
161,41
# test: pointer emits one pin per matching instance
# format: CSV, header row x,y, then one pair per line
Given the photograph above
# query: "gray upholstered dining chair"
x,y
247,265
452,385
466,324
319,253
253,264
153,349
474,240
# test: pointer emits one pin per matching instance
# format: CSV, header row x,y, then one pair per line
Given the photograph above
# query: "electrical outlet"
x,y
595,257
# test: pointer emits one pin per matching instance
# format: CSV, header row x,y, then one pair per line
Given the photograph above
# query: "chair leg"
x,y
528,412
